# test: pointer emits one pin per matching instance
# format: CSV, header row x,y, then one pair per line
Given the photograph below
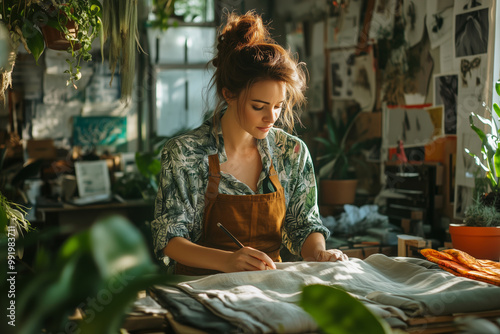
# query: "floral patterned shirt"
x,y
180,201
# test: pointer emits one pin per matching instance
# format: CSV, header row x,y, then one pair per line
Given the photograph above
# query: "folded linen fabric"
x,y
267,301
460,263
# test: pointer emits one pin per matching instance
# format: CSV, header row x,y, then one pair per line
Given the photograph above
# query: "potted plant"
x,y
336,165
479,235
71,25
77,21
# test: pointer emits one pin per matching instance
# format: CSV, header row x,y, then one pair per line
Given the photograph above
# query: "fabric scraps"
x,y
462,264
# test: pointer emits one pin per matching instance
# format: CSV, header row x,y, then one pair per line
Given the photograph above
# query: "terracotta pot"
x,y
54,39
337,192
480,242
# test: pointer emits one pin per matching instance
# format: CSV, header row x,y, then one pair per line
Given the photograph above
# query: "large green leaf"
x,y
497,109
496,162
337,312
118,246
486,148
497,87
34,39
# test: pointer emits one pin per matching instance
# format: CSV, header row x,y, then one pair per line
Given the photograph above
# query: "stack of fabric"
x,y
396,289
460,263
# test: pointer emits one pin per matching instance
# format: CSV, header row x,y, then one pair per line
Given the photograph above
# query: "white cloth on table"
x,y
266,301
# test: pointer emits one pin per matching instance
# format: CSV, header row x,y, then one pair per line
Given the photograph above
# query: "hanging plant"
x,y
18,20
13,222
25,20
120,31
79,23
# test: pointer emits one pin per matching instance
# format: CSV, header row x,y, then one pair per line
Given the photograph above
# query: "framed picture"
x,y
92,178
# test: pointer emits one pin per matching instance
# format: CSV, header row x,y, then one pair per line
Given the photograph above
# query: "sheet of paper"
x,y
343,30
413,126
382,18
439,26
414,14
445,93
446,56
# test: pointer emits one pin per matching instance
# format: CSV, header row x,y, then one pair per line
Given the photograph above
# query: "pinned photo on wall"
x,y
93,131
364,81
436,113
343,29
473,74
462,6
413,126
439,25
341,73
471,33
414,14
445,93
382,18
352,77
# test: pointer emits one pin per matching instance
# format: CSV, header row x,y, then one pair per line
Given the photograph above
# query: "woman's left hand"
x,y
331,255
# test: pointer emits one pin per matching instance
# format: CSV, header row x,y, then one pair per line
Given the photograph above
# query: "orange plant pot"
x,y
55,40
480,242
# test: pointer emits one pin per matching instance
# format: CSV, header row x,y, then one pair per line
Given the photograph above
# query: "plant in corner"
x,y
479,235
339,158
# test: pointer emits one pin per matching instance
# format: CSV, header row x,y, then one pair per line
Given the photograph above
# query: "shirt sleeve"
x,y
175,207
302,215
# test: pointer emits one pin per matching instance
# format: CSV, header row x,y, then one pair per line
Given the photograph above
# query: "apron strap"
x,y
273,176
213,177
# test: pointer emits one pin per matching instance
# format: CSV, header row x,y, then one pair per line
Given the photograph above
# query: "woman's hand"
x,y
331,255
248,259
313,249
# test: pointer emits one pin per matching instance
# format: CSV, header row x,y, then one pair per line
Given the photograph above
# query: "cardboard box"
x,y
41,149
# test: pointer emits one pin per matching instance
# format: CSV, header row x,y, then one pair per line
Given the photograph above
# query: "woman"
x,y
237,169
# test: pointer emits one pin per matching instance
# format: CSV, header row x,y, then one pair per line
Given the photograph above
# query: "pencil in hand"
x,y
236,241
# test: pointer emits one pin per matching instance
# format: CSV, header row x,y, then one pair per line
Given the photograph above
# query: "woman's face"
x,y
261,107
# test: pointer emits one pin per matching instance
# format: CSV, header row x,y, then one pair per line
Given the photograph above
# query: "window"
x,y
179,57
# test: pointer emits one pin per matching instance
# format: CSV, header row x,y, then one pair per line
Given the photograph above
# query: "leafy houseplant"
x,y
79,23
490,150
339,158
25,20
98,271
482,218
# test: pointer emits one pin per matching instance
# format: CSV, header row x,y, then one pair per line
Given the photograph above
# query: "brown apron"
x,y
255,220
